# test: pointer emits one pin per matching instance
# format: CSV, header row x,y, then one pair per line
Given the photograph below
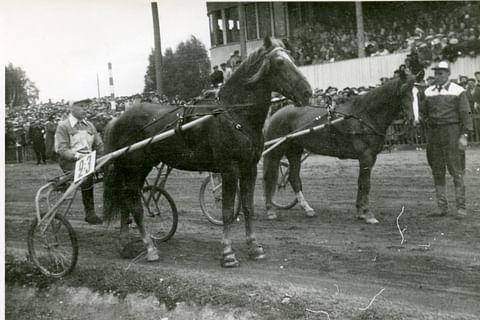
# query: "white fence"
x,y
368,71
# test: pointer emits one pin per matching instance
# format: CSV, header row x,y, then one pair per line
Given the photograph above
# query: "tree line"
x,y
185,72
19,89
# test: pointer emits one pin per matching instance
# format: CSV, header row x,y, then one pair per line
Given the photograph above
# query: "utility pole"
x,y
98,87
158,49
110,80
360,32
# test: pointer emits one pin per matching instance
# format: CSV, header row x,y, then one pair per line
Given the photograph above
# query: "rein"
x,y
345,116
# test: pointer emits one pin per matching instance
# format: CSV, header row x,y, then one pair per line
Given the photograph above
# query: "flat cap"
x,y
442,65
83,102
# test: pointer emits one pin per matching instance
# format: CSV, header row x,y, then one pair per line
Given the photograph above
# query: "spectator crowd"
x,y
440,31
35,125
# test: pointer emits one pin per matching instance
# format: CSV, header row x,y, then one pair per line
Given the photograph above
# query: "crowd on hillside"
x,y
445,32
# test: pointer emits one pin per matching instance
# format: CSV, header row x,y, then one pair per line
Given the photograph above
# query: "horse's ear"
x,y
267,42
287,45
403,75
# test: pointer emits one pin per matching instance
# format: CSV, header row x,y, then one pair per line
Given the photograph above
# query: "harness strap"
x,y
362,121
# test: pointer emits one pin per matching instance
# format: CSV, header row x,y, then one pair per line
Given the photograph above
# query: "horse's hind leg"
x,y
136,208
271,163
247,190
294,157
133,197
124,239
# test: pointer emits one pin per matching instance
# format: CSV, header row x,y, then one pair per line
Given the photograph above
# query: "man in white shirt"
x,y
227,72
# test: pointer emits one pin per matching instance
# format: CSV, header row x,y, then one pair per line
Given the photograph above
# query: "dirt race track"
x,y
327,267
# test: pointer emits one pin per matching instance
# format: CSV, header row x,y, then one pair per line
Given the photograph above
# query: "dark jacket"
x,y
472,98
449,105
35,134
216,77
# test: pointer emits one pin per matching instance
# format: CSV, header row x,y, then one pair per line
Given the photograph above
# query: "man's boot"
x,y
442,202
460,200
88,204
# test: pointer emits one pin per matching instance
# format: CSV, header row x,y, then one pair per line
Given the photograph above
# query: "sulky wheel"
x,y
284,197
160,213
210,197
54,251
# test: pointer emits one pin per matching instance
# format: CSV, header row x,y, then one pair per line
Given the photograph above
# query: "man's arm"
x,y
62,143
422,104
465,113
97,141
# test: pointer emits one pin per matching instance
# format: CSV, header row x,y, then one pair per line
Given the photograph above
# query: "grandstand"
x,y
324,33
324,41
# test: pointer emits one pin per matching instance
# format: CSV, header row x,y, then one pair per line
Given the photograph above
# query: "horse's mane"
x,y
388,92
250,69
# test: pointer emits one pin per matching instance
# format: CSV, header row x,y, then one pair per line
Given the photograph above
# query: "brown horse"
x,y
230,143
360,136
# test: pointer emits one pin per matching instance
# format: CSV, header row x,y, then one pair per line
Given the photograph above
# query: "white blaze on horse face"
x,y
285,55
416,117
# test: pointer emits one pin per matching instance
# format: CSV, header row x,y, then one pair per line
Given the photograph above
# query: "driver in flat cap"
x,y
74,138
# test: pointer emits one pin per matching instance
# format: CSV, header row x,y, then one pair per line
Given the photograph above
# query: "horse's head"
x,y
409,92
278,70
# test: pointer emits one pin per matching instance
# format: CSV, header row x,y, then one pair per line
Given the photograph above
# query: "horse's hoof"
x,y
371,220
310,213
361,216
229,260
153,256
256,253
271,216
129,249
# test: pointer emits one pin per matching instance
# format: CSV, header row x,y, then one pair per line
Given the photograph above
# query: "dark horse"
x,y
360,136
230,143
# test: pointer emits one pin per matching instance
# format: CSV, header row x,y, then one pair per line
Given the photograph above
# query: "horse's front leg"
x,y
136,208
366,162
247,190
229,189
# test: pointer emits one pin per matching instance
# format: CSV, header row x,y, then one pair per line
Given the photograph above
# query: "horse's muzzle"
x,y
304,99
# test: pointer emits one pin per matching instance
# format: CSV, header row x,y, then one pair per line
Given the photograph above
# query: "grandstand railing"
x,y
399,134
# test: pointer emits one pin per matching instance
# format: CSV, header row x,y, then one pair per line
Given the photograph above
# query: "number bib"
x,y
85,166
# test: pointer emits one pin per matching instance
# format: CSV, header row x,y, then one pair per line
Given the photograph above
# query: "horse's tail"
x,y
113,182
112,192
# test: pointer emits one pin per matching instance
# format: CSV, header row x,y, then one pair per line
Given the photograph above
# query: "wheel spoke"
x,y
54,251
161,221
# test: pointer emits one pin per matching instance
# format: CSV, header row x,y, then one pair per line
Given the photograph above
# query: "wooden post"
x,y
158,49
360,32
243,31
